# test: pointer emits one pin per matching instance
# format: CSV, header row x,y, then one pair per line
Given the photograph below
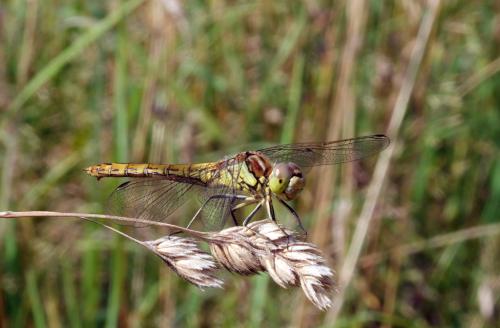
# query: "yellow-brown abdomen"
x,y
104,170
127,170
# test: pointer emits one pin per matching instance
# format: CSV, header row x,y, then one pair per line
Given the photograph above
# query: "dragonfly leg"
x,y
209,199
272,216
235,221
270,209
246,201
251,215
294,213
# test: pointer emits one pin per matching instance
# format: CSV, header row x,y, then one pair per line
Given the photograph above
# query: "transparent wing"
x,y
220,196
155,199
150,199
327,153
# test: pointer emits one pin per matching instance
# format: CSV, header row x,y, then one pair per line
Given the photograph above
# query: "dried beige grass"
x,y
265,246
186,259
262,246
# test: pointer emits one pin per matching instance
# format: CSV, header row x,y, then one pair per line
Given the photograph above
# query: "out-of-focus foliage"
x,y
83,82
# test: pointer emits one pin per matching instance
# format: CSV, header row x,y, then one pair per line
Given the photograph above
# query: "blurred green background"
x,y
83,82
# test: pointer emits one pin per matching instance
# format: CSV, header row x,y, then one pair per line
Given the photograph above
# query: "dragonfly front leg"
x,y
270,208
297,218
270,211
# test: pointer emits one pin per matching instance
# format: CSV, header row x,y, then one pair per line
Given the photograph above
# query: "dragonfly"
x,y
248,178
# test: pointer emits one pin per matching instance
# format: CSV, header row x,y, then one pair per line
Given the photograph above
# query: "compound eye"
x,y
296,182
280,177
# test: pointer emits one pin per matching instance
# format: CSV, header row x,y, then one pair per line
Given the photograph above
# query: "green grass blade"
x,y
294,97
35,300
56,64
118,268
70,297
120,98
258,300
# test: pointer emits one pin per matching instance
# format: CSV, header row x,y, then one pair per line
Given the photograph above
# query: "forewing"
x,y
327,153
150,199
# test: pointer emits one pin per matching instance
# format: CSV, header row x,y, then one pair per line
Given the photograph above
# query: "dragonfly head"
x,y
286,180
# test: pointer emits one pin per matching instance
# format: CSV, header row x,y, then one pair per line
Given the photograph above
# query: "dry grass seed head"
x,y
232,248
265,246
187,260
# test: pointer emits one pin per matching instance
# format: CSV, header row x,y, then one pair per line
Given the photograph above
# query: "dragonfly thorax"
x,y
286,180
258,164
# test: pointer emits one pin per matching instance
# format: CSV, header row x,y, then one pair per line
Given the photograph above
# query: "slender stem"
x,y
11,215
209,237
117,231
347,271
454,237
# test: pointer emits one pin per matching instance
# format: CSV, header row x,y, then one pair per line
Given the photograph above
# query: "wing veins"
x,y
327,153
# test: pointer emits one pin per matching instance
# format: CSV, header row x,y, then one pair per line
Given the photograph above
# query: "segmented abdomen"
x,y
149,170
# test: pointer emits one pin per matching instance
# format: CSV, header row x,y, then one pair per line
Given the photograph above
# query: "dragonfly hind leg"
x,y
246,202
226,196
251,215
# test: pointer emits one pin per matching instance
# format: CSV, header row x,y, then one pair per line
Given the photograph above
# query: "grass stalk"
x,y
294,101
55,65
347,272
71,302
36,302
